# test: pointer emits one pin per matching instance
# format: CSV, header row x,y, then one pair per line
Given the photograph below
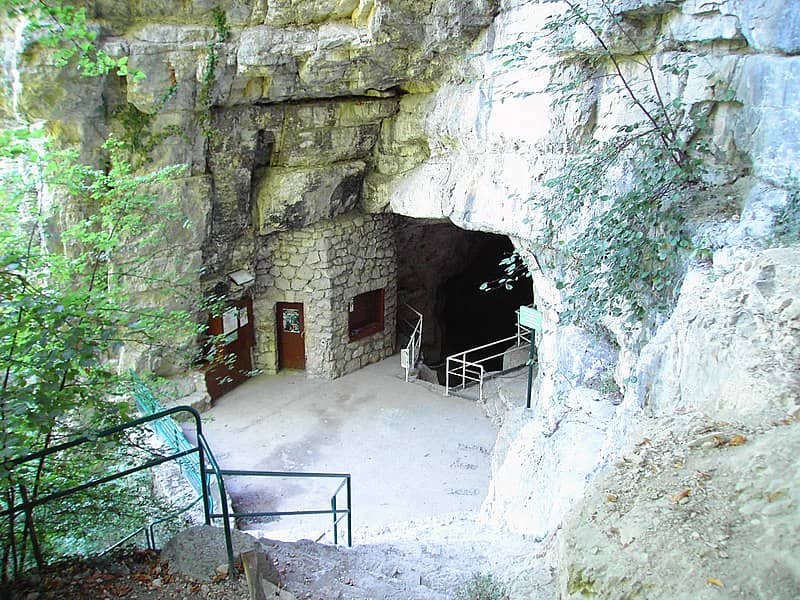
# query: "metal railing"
x,y
468,368
337,513
27,506
226,515
212,471
149,529
205,465
410,354
173,436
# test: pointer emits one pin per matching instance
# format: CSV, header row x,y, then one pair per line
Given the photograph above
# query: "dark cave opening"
x,y
440,272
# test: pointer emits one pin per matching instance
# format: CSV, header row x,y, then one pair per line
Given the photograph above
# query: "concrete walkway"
x,y
412,452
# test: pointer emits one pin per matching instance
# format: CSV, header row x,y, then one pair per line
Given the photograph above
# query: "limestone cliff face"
x,y
293,112
494,138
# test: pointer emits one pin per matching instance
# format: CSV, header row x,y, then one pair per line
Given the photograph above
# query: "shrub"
x,y
482,587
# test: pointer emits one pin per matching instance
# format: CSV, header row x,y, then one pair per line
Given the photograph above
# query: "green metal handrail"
x,y
27,506
149,529
345,512
226,521
173,435
206,466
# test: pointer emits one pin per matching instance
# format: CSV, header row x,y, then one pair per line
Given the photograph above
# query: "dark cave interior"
x,y
441,269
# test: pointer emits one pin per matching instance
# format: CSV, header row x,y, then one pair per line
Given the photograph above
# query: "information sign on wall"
x,y
530,318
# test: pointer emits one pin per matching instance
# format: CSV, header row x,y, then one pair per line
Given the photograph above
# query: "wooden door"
x,y
233,337
291,336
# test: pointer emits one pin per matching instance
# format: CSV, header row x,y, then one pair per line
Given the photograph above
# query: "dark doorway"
x,y
233,335
291,336
471,316
440,272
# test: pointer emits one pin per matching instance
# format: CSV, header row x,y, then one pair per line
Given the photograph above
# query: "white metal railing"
x,y
472,369
410,354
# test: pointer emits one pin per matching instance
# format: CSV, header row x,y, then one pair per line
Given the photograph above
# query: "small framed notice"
x,y
530,318
291,320
230,320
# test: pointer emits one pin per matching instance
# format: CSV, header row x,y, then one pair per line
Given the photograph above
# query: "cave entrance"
x,y
440,271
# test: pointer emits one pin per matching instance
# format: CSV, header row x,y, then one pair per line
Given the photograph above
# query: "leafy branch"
x,y
65,29
67,303
616,210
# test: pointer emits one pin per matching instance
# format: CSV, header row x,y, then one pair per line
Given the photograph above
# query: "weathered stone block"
x,y
770,25
324,146
770,120
290,198
298,12
304,273
686,28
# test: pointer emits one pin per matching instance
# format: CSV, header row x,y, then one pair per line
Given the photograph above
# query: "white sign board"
x,y
530,318
230,320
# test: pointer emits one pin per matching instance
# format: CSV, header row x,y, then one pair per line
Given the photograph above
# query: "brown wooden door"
x,y
291,336
234,337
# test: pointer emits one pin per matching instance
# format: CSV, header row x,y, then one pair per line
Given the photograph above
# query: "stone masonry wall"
x,y
324,266
362,259
294,276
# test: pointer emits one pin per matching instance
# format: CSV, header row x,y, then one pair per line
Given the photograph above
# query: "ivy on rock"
x,y
616,210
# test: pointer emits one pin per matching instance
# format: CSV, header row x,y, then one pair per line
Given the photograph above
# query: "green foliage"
x,y
209,79
604,383
221,24
86,267
617,209
89,521
787,220
137,129
204,98
514,269
628,259
64,29
68,301
482,587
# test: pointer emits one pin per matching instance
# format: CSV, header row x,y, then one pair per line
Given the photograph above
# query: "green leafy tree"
x,y
65,29
617,209
84,272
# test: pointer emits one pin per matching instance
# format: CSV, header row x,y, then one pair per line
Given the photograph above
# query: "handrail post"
x,y
419,346
480,385
223,500
227,528
464,371
447,377
349,515
207,500
414,344
335,521
37,550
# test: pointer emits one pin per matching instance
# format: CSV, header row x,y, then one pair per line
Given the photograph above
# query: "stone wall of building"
x,y
362,259
324,266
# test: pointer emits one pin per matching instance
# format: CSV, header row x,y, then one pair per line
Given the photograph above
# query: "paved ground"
x,y
412,452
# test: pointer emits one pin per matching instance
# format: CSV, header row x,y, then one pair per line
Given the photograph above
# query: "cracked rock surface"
x,y
696,508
